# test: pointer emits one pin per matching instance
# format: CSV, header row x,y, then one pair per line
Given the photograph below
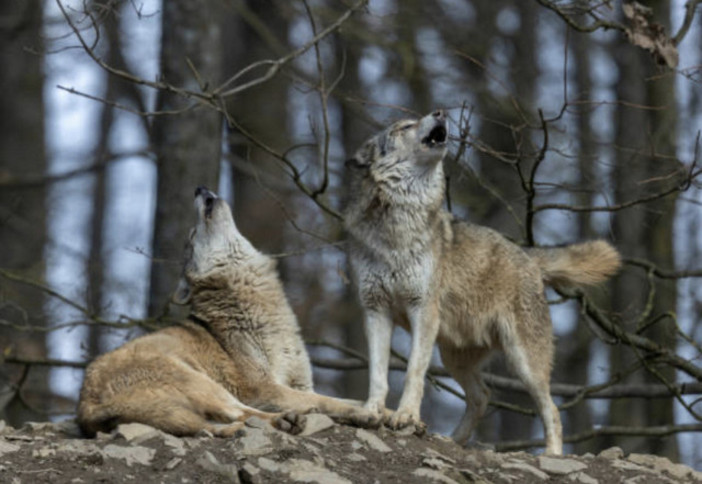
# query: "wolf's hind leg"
x,y
530,357
184,402
464,366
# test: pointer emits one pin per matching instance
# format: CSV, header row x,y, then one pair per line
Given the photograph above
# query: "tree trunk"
x,y
262,111
573,362
188,144
644,231
502,176
22,208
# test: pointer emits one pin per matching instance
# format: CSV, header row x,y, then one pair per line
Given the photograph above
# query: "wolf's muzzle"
x,y
208,198
438,133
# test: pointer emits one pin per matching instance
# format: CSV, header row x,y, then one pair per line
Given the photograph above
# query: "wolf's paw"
x,y
361,417
376,408
290,422
387,414
403,418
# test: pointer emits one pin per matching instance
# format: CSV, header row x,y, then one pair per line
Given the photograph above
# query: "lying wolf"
x,y
239,355
464,286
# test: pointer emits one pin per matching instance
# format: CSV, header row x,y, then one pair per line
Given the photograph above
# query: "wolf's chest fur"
x,y
395,261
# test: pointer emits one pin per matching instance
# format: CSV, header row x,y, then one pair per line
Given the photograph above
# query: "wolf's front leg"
x,y
378,326
424,321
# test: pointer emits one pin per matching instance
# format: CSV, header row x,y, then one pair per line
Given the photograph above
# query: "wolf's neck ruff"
x,y
392,214
222,298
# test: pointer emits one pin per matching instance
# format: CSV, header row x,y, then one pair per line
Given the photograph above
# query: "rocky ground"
x,y
323,453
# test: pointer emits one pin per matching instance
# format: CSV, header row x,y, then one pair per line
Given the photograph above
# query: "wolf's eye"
x,y
405,127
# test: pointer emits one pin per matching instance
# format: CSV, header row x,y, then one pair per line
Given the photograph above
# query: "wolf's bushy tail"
x,y
574,265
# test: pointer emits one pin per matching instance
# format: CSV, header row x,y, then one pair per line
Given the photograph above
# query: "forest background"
x,y
568,121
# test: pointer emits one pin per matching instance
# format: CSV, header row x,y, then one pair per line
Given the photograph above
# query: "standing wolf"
x,y
464,286
239,355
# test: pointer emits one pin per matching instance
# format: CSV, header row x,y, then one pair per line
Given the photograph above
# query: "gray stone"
x,y
268,464
209,462
254,442
560,466
250,474
612,453
372,441
131,455
78,446
40,427
630,466
7,447
313,449
661,464
133,431
492,458
173,463
355,457
257,423
434,463
438,455
176,445
433,475
316,422
322,441
468,476
43,452
299,470
646,479
69,428
583,478
524,467
306,471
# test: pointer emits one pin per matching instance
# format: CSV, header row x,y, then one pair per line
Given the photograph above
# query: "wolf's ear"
x,y
183,293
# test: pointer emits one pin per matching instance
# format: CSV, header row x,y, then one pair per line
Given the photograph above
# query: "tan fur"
x,y
240,355
578,264
462,285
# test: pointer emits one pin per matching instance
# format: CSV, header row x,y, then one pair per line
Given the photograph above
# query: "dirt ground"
x,y
324,453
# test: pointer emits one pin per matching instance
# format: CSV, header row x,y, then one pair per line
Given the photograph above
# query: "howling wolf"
x,y
240,354
462,285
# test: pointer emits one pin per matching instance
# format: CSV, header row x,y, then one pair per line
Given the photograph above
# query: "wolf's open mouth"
x,y
209,205
436,136
208,198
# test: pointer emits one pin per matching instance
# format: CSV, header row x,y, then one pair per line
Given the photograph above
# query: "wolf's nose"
x,y
439,114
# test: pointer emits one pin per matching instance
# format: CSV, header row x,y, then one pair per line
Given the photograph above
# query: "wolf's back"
x,y
574,265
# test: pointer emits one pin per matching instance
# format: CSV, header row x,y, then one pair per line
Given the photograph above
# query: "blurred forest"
x,y
569,120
